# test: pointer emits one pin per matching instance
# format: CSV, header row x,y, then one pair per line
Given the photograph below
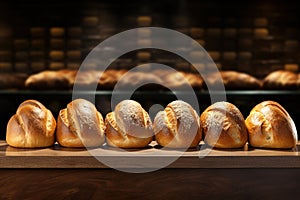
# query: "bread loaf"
x,y
223,126
233,80
32,126
128,126
80,125
177,126
109,78
281,79
48,80
270,126
139,80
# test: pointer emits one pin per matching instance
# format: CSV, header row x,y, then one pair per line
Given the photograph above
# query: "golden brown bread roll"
x,y
233,80
269,125
80,125
32,126
194,80
281,79
178,80
139,80
86,79
177,126
223,126
128,126
109,78
48,80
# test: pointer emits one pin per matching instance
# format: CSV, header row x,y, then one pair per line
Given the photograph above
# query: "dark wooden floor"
x,y
163,184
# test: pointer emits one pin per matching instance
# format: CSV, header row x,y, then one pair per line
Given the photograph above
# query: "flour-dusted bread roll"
x,y
32,126
270,126
177,126
223,126
281,79
128,126
80,125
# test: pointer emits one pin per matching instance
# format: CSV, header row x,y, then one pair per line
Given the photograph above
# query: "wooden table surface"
x,y
150,157
70,173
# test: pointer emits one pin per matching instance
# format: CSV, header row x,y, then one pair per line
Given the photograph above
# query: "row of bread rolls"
x,y
232,80
221,125
267,126
65,79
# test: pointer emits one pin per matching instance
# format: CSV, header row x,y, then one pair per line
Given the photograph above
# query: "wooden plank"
x,y
161,184
151,157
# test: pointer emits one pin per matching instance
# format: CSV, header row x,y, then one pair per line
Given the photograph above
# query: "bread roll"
x,y
175,81
80,125
86,79
270,126
139,80
48,80
32,126
281,79
109,78
128,126
233,80
223,126
177,126
194,80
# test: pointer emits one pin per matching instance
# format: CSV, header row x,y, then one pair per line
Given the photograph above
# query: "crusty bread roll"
x,y
281,79
233,80
128,126
80,125
269,125
223,126
177,126
32,126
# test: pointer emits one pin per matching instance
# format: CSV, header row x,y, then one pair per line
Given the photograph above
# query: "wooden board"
x,y
162,184
150,157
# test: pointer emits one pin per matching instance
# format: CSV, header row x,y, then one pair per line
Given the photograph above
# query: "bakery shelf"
x,y
165,93
60,157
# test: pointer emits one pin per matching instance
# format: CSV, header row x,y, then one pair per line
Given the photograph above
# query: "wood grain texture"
x,y
151,157
162,184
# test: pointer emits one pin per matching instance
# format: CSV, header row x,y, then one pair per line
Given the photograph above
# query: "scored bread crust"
x,y
80,125
223,126
128,126
177,126
32,126
270,126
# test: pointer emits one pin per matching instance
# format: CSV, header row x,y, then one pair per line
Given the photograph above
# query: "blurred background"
x,y
255,37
